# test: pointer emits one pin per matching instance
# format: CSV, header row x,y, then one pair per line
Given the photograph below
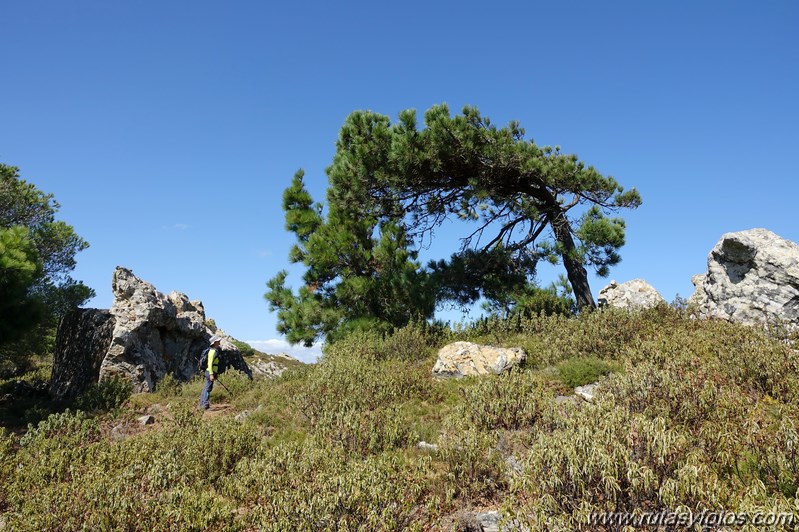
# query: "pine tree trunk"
x,y
575,271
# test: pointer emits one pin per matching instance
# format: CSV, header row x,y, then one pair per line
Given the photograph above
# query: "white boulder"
x,y
635,294
461,359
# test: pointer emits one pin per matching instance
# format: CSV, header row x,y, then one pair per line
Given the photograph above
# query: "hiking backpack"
x,y
203,363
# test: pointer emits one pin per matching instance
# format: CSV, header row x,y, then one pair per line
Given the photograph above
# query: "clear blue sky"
x,y
168,130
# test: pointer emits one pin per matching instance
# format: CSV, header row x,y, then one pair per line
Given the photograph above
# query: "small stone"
x,y
146,420
119,432
489,521
587,392
564,399
514,465
427,446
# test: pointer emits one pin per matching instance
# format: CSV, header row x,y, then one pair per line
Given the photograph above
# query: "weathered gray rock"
x,y
461,359
489,521
83,339
514,467
119,432
752,278
154,335
565,399
267,369
587,392
146,419
479,521
144,337
633,295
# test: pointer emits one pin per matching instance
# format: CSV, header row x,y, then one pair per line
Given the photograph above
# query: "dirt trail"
x,y
218,409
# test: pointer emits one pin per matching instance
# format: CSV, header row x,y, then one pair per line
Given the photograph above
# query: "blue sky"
x,y
168,130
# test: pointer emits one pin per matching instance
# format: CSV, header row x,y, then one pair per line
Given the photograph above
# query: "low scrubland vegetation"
x,y
689,415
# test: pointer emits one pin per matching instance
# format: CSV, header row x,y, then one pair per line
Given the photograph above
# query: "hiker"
x,y
211,371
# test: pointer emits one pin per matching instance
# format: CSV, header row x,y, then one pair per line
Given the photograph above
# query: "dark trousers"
x,y
205,396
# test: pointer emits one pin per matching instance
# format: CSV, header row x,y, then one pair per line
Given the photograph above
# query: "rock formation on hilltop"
x,y
145,336
752,278
635,294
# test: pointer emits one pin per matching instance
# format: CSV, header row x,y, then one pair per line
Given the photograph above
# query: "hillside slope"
x,y
688,416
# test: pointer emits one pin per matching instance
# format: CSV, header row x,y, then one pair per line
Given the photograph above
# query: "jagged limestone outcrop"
x,y
752,278
145,336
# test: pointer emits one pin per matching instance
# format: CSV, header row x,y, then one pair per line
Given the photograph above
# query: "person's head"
x,y
215,341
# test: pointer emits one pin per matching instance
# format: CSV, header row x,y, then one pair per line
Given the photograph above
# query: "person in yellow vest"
x,y
211,371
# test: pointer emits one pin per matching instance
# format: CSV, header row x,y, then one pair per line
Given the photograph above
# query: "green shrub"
x,y
106,395
584,370
365,431
37,379
169,386
544,301
510,401
245,348
596,459
411,343
311,487
237,384
49,454
340,383
25,398
354,402
67,427
474,467
185,415
8,463
414,342
159,480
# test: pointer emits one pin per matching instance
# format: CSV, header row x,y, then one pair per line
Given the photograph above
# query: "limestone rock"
x,y
144,337
635,294
267,369
484,521
489,521
149,341
427,446
587,392
752,278
460,359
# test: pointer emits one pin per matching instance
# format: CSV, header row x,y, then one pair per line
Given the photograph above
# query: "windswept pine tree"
x,y
392,185
531,202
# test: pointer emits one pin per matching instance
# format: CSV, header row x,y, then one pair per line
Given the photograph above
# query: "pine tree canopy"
x,y
392,185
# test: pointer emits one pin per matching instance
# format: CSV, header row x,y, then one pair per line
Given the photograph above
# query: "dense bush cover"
x,y
688,415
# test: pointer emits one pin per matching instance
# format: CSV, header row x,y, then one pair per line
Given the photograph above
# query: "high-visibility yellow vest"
x,y
213,361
